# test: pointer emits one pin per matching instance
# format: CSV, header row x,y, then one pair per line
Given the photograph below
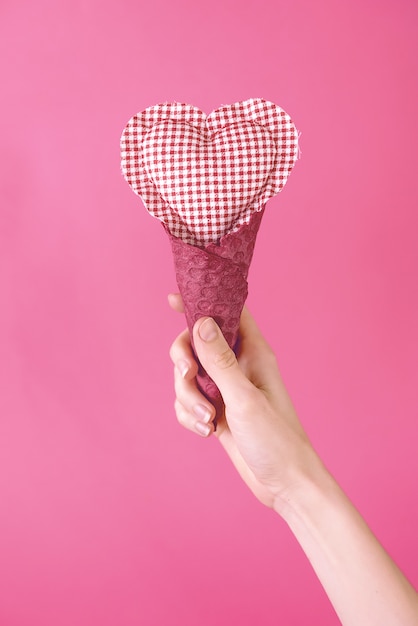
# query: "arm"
x,y
362,582
261,433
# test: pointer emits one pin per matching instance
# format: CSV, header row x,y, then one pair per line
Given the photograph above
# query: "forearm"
x,y
361,581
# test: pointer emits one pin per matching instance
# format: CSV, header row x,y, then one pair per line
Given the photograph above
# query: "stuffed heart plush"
x,y
207,178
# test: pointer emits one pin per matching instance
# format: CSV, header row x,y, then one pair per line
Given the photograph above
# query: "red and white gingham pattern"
x,y
204,176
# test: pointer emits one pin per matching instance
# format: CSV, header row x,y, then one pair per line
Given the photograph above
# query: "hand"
x,y
265,440
259,430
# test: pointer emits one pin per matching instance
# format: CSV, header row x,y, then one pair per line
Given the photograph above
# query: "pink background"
x,y
110,513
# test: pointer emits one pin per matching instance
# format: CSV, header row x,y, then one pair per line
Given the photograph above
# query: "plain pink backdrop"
x,y
110,513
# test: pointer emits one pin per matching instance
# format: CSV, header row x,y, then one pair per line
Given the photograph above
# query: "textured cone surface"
x,y
213,282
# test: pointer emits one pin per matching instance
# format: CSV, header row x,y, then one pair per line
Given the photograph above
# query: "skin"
x,y
261,433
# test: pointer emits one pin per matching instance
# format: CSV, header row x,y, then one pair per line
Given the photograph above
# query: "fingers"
x,y
176,302
248,326
193,410
181,354
250,334
219,360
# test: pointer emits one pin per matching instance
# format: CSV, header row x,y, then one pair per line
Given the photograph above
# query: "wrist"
x,y
308,483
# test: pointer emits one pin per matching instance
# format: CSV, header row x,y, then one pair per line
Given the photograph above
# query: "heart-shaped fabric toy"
x,y
207,179
204,177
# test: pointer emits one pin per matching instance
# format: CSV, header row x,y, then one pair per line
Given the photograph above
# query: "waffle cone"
x,y
213,282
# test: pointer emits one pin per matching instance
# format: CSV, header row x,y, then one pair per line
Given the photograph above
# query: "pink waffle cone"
x,y
213,282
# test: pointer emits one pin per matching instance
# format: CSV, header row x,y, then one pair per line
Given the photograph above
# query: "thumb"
x,y
219,360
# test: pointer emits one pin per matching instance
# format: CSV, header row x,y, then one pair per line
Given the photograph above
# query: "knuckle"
x,y
270,358
249,400
178,383
173,350
225,359
262,348
180,413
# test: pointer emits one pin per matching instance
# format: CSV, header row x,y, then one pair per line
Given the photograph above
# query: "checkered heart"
x,y
205,176
208,182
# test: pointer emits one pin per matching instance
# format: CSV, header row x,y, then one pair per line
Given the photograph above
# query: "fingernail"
x,y
202,429
183,367
208,331
202,412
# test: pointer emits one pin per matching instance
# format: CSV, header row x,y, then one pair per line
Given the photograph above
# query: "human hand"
x,y
259,429
262,434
